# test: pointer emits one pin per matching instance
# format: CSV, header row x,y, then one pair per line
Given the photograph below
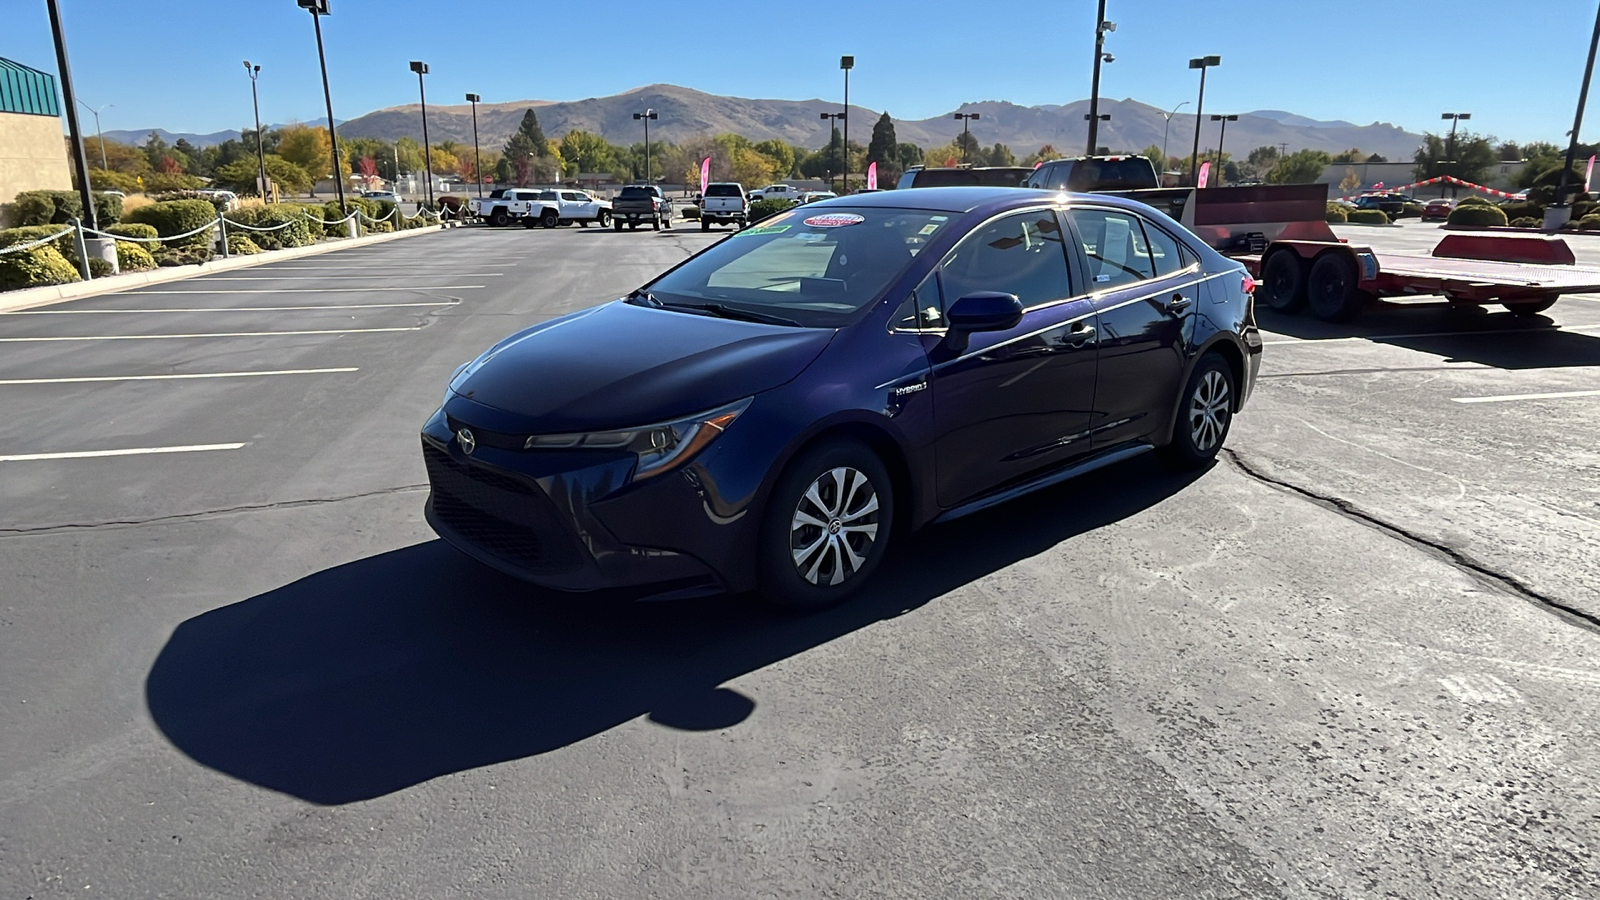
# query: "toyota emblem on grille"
x,y
468,442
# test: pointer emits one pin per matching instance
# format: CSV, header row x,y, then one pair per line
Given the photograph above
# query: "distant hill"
x,y
137,136
685,113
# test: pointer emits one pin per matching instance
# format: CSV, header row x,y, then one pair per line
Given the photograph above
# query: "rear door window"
x,y
1114,244
1165,253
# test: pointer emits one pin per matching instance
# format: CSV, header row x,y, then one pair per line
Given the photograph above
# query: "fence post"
x,y
82,248
222,234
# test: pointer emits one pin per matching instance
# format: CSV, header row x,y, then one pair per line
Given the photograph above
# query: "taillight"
x,y
1248,285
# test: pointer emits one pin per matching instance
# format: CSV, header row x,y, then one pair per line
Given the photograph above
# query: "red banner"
x,y
872,177
705,174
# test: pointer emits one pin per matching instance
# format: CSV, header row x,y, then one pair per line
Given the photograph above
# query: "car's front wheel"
x,y
550,219
826,526
1205,414
603,219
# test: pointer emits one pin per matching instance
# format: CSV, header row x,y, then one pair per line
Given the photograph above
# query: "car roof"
x,y
966,198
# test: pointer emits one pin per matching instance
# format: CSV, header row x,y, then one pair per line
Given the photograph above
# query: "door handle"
x,y
1178,303
1081,337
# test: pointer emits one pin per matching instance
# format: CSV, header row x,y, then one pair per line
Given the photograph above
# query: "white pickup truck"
x,y
723,202
777,192
563,207
504,205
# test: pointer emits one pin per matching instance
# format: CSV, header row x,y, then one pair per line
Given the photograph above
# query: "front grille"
x,y
500,514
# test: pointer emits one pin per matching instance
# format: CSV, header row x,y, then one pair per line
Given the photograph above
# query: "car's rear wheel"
x,y
499,218
1205,414
603,219
656,223
1283,282
704,225
550,219
826,526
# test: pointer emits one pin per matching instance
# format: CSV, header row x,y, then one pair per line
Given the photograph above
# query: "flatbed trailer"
x,y
1281,235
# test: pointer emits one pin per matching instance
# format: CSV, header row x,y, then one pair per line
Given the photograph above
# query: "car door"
x,y
1011,403
1145,287
575,205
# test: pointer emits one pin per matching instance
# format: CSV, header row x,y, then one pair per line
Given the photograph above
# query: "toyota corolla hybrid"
x,y
770,413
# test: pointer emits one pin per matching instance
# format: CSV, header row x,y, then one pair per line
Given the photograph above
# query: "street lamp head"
x,y
474,98
317,7
847,62
419,67
247,65
1109,58
1108,26
647,114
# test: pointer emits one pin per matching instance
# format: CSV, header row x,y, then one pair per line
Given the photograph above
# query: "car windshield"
x,y
1111,174
724,190
635,193
813,267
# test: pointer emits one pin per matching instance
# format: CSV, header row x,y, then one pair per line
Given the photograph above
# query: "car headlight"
x,y
660,447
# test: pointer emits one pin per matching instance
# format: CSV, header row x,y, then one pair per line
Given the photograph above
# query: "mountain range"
x,y
685,113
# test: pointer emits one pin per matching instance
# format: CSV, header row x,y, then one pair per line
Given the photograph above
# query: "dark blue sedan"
x,y
770,413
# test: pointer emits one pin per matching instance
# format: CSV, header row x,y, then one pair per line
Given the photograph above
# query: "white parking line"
x,y
1557,395
333,290
215,334
70,312
347,277
1289,342
134,451
88,379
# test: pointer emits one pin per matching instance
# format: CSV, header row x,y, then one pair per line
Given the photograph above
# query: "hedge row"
x,y
60,207
171,218
1338,213
1477,214
1369,217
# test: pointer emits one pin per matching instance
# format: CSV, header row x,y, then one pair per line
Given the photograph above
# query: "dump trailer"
x,y
1280,232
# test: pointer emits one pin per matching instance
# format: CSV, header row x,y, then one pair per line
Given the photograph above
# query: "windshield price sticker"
x,y
762,229
835,220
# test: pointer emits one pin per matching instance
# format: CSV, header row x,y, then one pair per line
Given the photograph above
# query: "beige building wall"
x,y
33,156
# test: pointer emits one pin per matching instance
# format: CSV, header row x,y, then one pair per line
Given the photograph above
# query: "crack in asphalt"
x,y
203,514
1479,571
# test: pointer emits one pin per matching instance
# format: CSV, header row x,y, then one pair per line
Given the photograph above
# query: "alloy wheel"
x,y
834,526
1208,411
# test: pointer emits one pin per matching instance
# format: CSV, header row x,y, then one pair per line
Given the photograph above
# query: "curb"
x,y
29,298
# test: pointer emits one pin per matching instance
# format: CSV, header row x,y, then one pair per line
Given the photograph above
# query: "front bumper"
x,y
571,522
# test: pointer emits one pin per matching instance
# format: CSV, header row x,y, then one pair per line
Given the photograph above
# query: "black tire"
x,y
529,222
704,225
616,224
550,219
666,220
851,543
1283,282
603,219
1531,307
656,223
499,218
1331,288
582,223
633,226
1205,414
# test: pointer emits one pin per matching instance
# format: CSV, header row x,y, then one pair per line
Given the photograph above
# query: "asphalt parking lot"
x,y
1356,657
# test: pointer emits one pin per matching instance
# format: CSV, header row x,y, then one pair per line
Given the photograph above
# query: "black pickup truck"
x,y
640,203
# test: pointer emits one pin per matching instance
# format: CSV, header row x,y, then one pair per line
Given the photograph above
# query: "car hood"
x,y
620,365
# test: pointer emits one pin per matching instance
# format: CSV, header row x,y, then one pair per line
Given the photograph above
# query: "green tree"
x,y
1377,158
881,149
240,175
307,148
999,155
783,154
907,155
1300,167
967,146
1474,157
1353,155
587,152
191,157
530,129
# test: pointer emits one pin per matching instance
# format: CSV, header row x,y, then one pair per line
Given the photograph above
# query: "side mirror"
x,y
985,311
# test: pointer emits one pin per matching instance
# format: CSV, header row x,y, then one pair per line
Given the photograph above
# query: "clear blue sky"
x,y
175,64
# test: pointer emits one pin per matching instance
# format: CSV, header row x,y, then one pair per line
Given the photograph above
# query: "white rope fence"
x,y
19,248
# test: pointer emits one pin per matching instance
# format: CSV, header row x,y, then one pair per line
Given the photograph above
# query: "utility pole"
x,y
421,68
1101,26
846,63
1450,147
647,115
261,153
1565,213
78,160
477,160
965,118
1202,63
318,9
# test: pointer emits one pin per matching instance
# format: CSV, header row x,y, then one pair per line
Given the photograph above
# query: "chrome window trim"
x,y
1146,223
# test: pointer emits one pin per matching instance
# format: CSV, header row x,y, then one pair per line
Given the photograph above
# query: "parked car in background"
x,y
229,198
390,196
564,207
1438,209
504,205
814,196
777,192
963,176
724,204
772,412
1392,205
1095,173
638,204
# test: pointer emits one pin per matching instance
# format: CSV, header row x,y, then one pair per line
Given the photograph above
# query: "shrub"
x,y
1338,213
1368,217
299,232
1527,222
175,217
60,207
184,256
690,212
380,228
1523,210
36,268
385,209
762,209
1475,200
133,257
217,202
1477,214
112,180
156,182
1589,223
241,245
137,230
1584,208
27,234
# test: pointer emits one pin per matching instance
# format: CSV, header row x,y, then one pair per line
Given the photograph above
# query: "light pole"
x,y
318,9
647,115
831,117
477,160
78,160
1224,136
421,68
846,63
98,134
1101,26
965,119
1202,63
1565,213
1094,125
1450,147
1168,116
261,152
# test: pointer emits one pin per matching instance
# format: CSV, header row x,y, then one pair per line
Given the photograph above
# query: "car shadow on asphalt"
x,y
373,676
1477,335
